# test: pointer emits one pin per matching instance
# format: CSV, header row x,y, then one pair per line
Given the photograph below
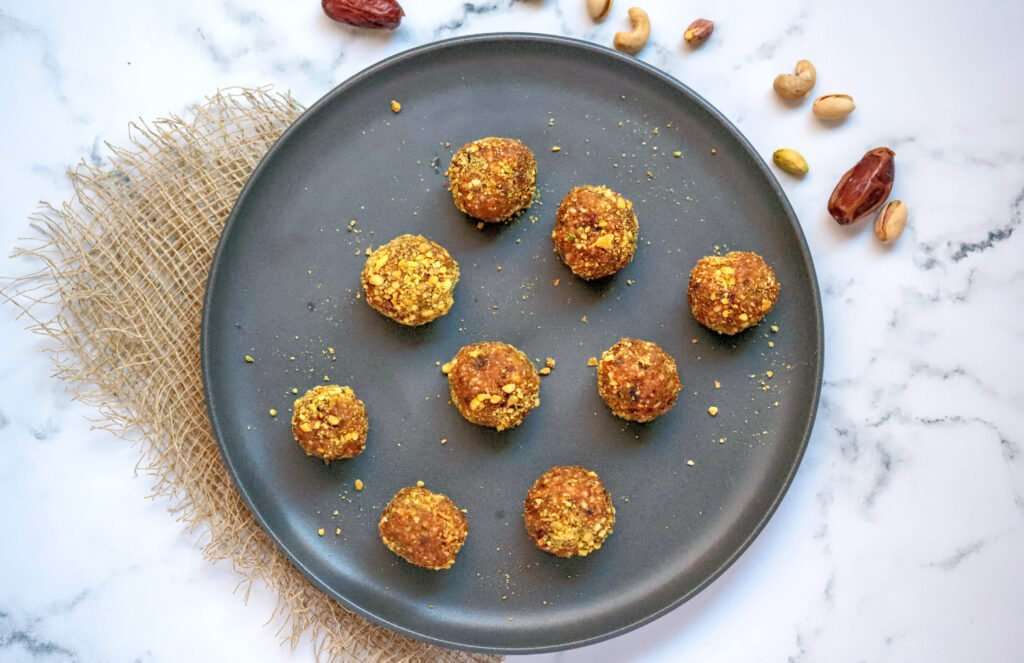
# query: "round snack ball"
x,y
424,528
329,422
638,380
493,384
410,280
732,292
492,179
595,231
568,512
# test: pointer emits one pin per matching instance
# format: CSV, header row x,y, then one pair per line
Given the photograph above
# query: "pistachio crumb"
x,y
321,532
249,359
713,411
770,374
691,462
420,484
592,361
775,329
677,153
272,412
337,531
294,390
771,344
556,148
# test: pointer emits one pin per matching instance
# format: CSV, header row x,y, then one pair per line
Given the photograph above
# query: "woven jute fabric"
x,y
123,268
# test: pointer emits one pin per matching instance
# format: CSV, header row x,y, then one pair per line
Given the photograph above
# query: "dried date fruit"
x,y
386,14
863,188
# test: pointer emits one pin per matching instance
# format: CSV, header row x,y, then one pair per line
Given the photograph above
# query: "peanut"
x,y
698,32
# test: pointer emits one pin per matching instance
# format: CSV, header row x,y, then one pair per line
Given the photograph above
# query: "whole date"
x,y
378,14
863,188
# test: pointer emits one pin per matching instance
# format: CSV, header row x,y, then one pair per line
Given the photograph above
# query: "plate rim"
x,y
587,48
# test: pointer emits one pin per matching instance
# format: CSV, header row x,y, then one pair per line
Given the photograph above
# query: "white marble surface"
x,y
901,537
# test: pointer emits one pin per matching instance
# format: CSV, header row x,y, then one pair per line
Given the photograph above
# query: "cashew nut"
x,y
633,41
797,84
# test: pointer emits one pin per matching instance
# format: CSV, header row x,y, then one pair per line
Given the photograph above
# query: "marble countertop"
x,y
901,537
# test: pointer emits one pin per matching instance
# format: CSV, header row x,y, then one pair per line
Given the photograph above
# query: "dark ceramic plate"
x,y
284,288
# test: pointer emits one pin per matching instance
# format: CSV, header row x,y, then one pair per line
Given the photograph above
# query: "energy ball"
x,y
492,179
424,528
568,512
595,231
329,422
732,292
493,384
638,380
410,280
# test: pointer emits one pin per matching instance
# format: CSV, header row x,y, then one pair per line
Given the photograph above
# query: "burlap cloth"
x,y
120,293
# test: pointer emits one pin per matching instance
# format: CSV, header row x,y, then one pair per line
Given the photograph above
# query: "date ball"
x,y
424,528
329,422
568,512
732,292
638,380
492,179
595,231
410,280
493,384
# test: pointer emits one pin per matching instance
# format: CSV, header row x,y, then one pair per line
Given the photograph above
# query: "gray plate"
x,y
284,284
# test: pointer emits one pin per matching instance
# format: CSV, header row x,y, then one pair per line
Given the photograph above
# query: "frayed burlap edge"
x,y
119,293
